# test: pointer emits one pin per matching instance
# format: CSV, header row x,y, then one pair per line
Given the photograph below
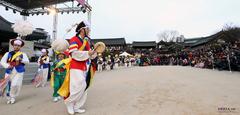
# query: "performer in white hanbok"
x,y
117,61
100,63
43,62
109,63
14,62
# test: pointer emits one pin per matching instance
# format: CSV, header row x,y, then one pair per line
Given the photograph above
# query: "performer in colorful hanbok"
x,y
43,62
14,62
79,68
80,65
58,74
132,61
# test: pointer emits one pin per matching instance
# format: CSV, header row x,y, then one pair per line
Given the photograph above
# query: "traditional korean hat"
x,y
17,41
60,45
44,51
23,28
80,26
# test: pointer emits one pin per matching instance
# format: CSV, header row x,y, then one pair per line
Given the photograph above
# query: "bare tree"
x,y
173,35
230,32
163,36
228,26
168,35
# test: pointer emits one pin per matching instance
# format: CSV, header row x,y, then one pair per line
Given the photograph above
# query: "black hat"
x,y
80,25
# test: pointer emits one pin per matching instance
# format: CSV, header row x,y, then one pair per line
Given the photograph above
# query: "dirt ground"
x,y
153,90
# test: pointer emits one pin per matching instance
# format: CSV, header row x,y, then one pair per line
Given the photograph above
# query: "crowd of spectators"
x,y
212,56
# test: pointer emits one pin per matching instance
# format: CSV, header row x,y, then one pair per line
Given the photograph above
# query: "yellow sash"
x,y
44,57
52,80
64,61
16,55
64,91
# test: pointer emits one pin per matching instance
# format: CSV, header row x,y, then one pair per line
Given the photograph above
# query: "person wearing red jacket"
x,y
81,52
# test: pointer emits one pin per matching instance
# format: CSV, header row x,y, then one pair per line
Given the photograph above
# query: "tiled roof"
x,y
5,25
144,44
111,41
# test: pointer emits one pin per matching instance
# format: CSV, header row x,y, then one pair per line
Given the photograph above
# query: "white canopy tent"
x,y
125,54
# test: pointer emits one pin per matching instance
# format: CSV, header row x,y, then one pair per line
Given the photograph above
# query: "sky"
x,y
142,20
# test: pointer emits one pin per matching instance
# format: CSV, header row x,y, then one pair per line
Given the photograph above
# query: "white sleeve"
x,y
72,50
25,59
94,55
39,61
80,55
4,61
46,61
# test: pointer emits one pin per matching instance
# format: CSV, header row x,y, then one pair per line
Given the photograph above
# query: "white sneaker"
x,y
8,102
80,110
12,100
59,97
55,99
37,86
70,109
